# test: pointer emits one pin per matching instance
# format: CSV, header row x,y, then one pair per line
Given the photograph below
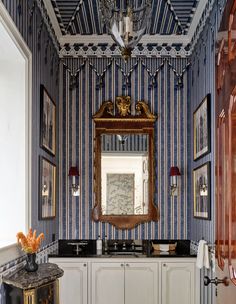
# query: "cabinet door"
x,y
107,283
73,284
178,283
141,284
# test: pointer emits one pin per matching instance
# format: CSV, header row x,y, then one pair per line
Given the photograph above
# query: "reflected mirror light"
x,y
124,174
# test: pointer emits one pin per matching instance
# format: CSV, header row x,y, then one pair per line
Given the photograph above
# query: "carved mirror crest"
x,y
124,164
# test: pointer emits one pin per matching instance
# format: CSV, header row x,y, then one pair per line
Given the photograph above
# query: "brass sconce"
x,y
174,173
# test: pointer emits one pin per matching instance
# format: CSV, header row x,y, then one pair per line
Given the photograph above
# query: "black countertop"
x,y
143,249
170,254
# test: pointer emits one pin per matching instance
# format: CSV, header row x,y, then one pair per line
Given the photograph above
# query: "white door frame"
x,y
11,251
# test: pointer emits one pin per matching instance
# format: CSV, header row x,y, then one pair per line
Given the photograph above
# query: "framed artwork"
x,y
47,189
201,128
120,193
47,122
202,191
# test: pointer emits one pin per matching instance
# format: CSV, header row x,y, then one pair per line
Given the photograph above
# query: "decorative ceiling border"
x,y
114,51
204,8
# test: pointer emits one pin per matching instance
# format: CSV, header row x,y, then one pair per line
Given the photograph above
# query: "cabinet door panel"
x,y
141,285
178,283
107,283
73,284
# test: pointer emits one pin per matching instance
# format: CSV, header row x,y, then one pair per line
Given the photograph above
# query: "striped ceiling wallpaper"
x,y
82,16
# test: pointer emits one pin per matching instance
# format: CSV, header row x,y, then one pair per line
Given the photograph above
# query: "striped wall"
x,y
202,83
45,70
85,84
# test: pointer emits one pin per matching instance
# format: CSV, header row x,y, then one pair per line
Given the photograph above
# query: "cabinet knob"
x,y
127,265
164,265
122,265
85,265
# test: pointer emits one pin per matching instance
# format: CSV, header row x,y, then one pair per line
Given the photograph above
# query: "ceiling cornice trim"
x,y
196,17
53,18
48,23
106,39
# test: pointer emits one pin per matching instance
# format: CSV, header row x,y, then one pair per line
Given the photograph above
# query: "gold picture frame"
x,y
202,191
201,129
47,122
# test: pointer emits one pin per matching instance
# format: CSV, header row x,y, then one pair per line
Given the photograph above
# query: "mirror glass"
x,y
124,174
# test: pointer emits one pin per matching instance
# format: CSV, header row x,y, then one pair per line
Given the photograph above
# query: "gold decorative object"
x,y
120,127
105,110
123,105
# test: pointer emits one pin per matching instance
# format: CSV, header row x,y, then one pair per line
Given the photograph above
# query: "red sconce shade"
x,y
73,171
174,171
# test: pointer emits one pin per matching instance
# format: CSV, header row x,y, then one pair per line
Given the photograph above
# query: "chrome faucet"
x,y
78,249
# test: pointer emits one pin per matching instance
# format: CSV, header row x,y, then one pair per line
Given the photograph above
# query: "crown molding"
x,y
53,18
47,20
107,39
196,17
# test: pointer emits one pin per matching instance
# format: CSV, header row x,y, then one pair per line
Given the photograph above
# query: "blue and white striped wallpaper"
x,y
85,84
202,83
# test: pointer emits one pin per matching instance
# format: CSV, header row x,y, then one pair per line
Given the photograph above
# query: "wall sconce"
x,y
174,172
75,187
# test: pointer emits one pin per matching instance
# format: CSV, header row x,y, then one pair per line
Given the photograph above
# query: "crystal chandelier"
x,y
126,21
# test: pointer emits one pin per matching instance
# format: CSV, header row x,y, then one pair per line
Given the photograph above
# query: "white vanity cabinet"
x,y
179,283
128,280
73,288
124,282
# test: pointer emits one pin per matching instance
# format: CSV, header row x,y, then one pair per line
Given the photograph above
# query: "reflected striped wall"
x,y
85,84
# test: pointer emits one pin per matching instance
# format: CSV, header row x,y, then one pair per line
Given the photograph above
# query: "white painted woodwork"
x,y
16,120
107,283
73,284
178,283
141,283
128,281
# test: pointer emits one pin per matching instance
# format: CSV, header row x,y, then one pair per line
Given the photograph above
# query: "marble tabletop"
x,y
46,273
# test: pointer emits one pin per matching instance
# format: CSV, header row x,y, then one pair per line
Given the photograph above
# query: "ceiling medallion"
x,y
126,21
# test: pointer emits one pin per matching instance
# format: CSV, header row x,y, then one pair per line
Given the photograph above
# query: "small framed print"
x,y
47,189
201,129
47,122
202,191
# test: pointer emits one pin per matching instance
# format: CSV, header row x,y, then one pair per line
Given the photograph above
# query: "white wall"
x,y
13,141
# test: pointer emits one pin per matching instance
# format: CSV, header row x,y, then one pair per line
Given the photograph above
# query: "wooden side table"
x,y
39,287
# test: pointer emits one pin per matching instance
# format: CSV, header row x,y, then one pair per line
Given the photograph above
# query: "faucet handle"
x,y
133,246
115,245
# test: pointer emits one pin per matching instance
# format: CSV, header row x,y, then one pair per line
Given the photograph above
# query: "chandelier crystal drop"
x,y
126,21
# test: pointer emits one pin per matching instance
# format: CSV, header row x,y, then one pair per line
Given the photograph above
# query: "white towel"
x,y
202,255
206,262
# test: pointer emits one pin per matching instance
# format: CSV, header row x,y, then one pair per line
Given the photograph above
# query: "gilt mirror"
x,y
124,164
